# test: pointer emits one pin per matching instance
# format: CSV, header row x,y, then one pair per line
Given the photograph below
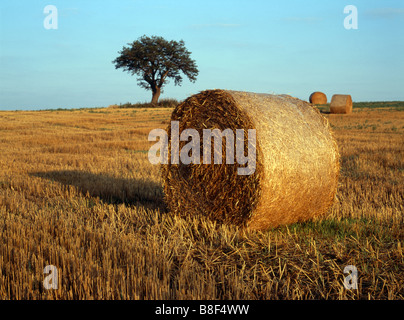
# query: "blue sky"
x,y
292,47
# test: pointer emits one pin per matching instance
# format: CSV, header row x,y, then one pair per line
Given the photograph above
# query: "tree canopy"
x,y
155,60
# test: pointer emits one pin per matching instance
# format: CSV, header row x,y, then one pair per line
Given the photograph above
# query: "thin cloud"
x,y
67,12
385,13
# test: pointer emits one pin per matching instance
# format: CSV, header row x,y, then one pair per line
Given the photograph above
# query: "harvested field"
x,y
77,192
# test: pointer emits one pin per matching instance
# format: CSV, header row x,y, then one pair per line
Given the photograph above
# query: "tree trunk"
x,y
156,95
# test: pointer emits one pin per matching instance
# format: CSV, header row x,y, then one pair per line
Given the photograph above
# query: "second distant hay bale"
x,y
341,103
318,98
297,161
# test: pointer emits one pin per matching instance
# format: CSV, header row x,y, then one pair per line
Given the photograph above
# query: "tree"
x,y
154,60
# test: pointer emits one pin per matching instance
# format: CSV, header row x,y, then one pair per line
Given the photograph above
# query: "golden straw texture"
x,y
297,161
318,98
341,103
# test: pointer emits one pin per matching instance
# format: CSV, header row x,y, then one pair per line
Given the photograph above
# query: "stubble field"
x,y
77,191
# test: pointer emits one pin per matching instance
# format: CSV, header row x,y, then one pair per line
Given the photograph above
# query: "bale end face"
x,y
318,98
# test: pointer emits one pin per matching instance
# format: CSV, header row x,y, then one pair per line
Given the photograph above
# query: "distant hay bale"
x,y
318,98
341,103
297,161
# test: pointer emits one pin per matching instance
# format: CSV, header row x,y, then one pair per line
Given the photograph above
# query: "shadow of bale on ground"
x,y
109,189
324,111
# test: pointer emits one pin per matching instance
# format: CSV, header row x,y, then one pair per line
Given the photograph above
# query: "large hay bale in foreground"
x,y
318,98
341,103
297,162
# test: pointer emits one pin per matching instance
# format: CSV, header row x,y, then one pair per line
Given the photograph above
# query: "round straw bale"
x,y
297,161
341,103
318,98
